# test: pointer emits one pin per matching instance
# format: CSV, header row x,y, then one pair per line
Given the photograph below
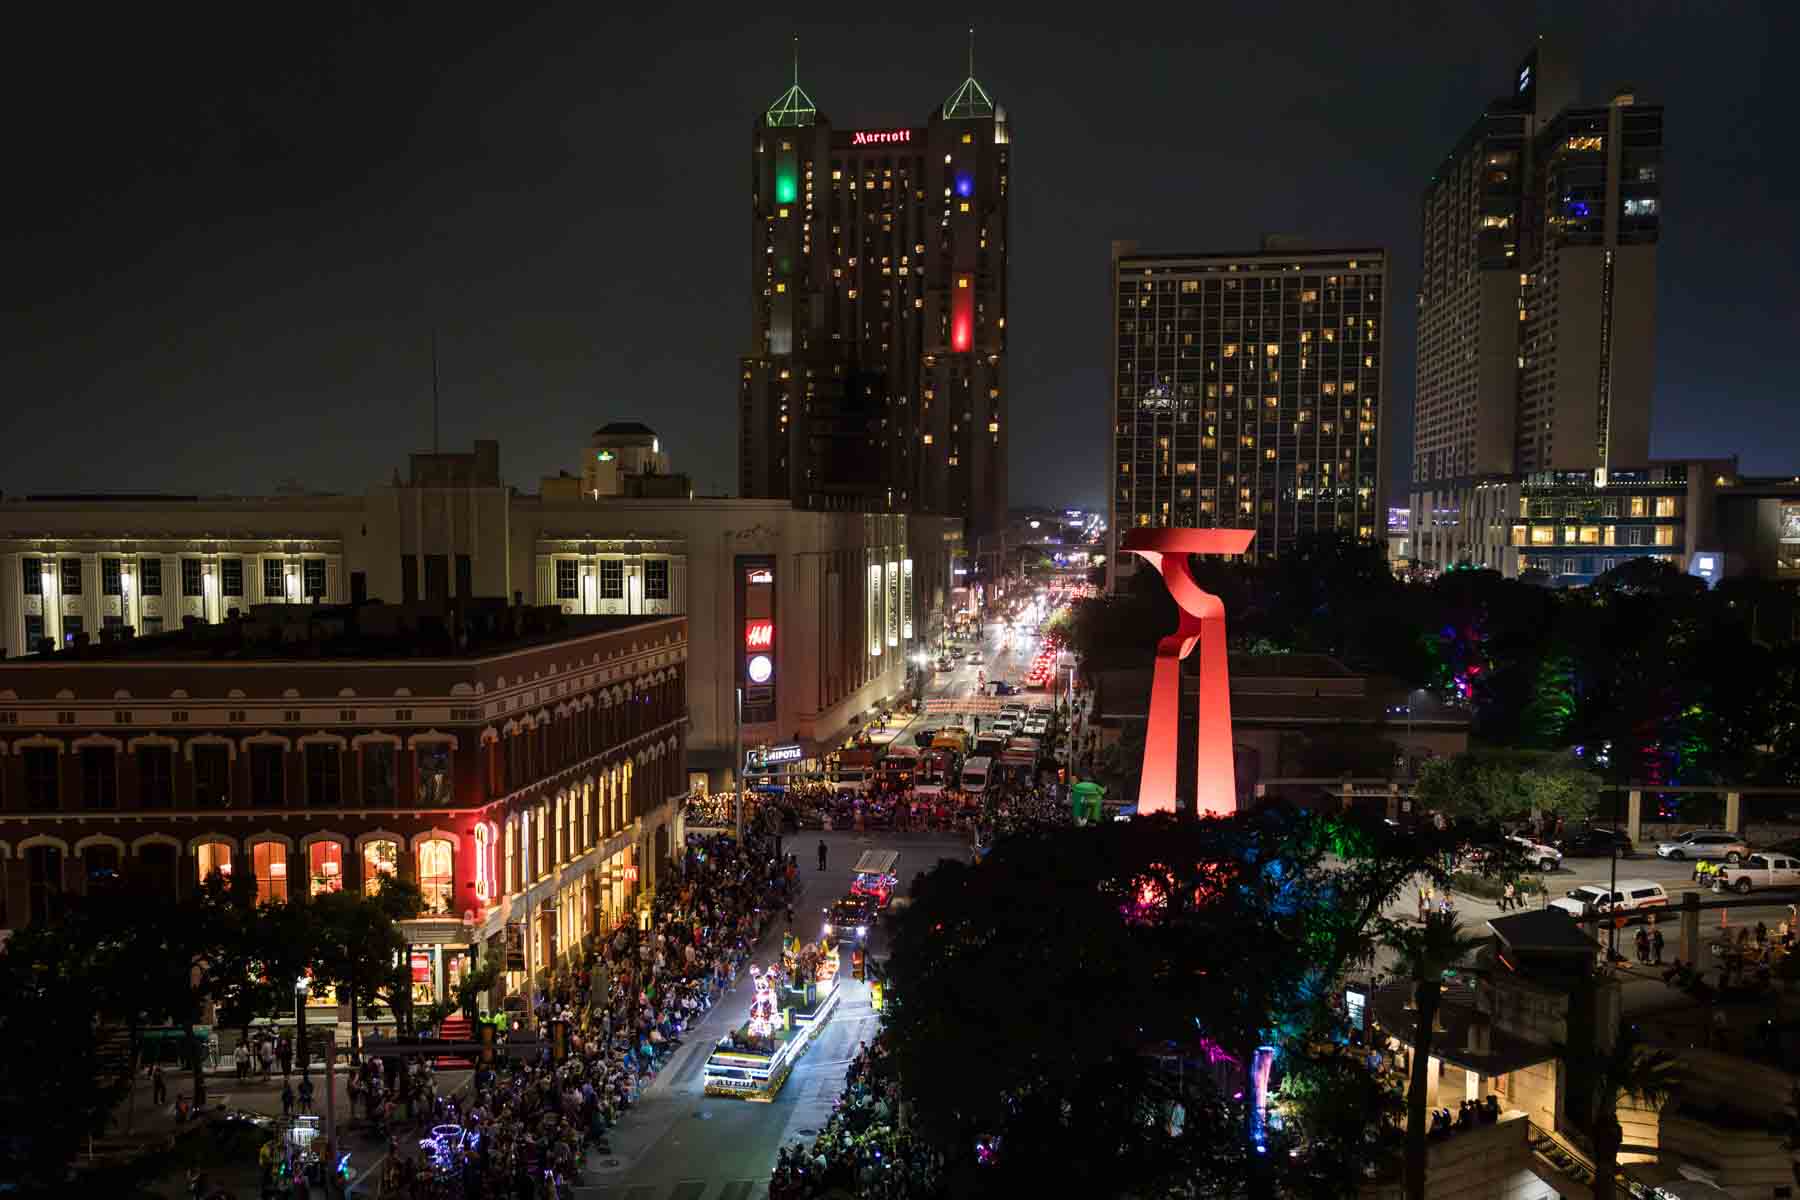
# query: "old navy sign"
x,y
759,634
872,137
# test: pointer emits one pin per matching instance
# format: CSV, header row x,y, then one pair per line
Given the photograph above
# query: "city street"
x,y
677,1143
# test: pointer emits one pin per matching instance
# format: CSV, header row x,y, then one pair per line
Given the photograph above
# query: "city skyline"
x,y
264,248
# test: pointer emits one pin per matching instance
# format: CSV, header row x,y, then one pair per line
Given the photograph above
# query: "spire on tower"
x,y
793,108
970,102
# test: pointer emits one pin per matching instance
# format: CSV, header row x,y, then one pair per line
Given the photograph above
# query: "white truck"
x,y
1758,871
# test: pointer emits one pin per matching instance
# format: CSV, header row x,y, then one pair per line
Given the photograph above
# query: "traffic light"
x,y
858,967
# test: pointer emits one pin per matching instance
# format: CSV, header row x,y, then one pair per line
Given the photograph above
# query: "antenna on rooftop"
x,y
971,52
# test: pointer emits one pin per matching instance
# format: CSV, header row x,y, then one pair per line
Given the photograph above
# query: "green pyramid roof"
x,y
969,103
791,110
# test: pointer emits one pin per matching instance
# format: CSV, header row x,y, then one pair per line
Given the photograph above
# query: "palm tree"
x,y
1425,953
1646,1076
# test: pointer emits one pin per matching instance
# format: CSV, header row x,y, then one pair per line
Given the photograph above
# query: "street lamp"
x,y
301,985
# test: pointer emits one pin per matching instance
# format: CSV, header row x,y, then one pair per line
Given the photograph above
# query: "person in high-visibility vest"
x,y
875,995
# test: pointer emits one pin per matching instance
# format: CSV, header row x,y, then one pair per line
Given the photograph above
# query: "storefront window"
x,y
436,874
270,862
210,857
379,858
324,868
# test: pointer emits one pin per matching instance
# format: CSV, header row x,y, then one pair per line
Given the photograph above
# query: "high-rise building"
x,y
1247,390
876,373
1536,302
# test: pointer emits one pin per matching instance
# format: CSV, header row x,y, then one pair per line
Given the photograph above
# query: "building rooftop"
x,y
1542,930
473,629
625,429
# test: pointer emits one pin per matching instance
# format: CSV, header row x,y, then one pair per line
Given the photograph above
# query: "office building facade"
x,y
812,614
876,373
1536,303
1247,392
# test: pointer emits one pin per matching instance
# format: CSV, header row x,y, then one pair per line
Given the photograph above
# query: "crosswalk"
x,y
687,1189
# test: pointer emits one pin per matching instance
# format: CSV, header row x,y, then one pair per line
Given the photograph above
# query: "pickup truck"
x,y
1758,871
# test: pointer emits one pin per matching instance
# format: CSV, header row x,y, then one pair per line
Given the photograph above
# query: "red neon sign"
x,y
630,874
866,137
759,635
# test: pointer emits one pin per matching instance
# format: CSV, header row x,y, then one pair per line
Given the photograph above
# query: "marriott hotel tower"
x,y
875,378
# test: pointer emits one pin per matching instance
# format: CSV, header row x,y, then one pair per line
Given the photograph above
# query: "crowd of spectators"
x,y
624,1009
861,1150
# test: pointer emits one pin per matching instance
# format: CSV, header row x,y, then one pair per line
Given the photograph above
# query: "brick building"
x,y
521,764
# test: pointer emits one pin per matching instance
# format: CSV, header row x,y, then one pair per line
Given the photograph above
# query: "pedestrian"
x,y
1509,899
265,1053
287,1099
284,1050
1656,946
241,1056
306,1096
1643,945
1424,903
159,1087
821,854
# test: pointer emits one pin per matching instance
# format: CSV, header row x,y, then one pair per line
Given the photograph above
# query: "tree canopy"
x,y
1096,998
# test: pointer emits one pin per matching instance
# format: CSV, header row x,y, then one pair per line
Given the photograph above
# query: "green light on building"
x,y
786,189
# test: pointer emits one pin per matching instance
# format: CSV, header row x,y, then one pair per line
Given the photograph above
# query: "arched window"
x,y
155,872
437,874
556,834
512,864
211,857
270,862
324,868
543,842
100,864
484,862
380,858
44,871
581,823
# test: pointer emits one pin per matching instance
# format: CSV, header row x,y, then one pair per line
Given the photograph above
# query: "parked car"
x,y
1760,870
1705,843
1631,895
1597,843
1547,858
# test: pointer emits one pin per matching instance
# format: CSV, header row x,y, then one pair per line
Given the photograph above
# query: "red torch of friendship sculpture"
x,y
1202,622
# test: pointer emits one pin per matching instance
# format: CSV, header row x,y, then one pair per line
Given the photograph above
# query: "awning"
x,y
877,862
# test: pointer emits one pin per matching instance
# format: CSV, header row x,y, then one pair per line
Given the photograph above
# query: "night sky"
x,y
227,241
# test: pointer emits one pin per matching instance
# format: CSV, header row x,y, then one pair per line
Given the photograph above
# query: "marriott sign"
x,y
864,137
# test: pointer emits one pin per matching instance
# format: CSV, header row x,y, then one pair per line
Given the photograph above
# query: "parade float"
x,y
789,1004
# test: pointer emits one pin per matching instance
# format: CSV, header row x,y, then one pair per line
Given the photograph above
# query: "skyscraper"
x,y
1247,390
1536,304
876,374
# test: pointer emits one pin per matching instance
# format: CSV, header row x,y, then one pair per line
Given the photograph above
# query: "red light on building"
x,y
759,635
962,315
630,874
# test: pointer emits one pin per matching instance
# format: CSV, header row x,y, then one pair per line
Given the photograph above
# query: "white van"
x,y
975,775
1630,895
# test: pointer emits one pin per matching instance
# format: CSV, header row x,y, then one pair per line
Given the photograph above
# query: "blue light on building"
x,y
965,184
